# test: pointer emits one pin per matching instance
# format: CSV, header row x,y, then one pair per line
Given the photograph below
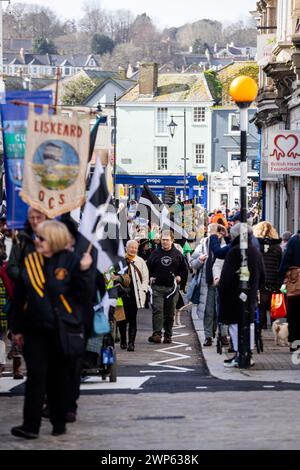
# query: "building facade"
x,y
225,176
145,148
278,104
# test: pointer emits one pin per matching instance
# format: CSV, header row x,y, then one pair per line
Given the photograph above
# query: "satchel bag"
x,y
292,281
278,308
71,338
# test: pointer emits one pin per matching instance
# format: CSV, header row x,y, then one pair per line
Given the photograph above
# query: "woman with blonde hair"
x,y
269,243
51,290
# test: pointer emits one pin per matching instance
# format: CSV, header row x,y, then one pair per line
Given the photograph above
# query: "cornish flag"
x,y
158,213
100,225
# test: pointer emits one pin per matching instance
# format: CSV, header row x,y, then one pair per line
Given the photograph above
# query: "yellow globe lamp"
x,y
243,89
200,178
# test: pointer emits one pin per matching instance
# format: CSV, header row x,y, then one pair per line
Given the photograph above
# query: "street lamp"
x,y
243,91
172,129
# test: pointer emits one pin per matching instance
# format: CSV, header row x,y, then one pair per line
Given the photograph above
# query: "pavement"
x,y
275,364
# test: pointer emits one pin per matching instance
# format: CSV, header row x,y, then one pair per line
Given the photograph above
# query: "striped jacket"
x,y
51,286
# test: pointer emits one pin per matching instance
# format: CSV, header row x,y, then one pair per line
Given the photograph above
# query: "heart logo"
x,y
285,146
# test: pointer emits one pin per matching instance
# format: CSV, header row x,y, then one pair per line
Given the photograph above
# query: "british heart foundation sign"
x,y
55,162
284,153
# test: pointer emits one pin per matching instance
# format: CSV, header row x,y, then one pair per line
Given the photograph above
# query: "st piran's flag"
x,y
100,225
160,215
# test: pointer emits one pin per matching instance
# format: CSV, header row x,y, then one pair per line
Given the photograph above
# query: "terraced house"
x,y
146,152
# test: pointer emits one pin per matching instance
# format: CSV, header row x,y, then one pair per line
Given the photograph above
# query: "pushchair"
x,y
100,355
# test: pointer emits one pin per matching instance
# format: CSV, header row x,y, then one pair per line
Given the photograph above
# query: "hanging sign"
x,y
284,153
56,158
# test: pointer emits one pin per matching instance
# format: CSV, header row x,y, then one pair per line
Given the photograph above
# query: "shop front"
x,y
161,185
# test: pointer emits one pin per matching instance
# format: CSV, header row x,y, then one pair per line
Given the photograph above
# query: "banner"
x,y
57,149
284,153
14,125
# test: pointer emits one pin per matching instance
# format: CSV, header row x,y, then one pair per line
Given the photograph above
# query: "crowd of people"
x,y
47,294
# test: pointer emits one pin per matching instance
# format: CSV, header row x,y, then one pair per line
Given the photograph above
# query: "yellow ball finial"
x,y
200,178
243,89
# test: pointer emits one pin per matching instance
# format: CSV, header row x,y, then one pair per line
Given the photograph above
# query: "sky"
x,y
163,12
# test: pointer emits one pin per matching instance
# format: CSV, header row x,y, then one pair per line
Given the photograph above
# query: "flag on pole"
x,y
100,225
158,213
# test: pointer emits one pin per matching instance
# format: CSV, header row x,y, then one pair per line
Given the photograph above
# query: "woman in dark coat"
x,y
52,287
269,243
291,258
229,291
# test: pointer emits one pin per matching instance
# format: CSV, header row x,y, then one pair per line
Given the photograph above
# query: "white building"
x,y
145,148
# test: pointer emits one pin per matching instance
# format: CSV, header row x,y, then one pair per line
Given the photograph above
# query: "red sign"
x,y
284,153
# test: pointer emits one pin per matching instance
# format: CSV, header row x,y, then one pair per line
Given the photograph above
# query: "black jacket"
x,y
22,246
291,256
229,291
164,264
49,285
272,254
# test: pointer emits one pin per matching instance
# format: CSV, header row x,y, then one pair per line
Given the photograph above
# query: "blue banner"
x,y
14,125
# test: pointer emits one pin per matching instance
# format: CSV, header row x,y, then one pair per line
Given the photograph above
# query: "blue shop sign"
x,y
161,180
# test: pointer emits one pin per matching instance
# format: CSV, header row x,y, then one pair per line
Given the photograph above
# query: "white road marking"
x,y
90,383
8,383
201,388
268,386
169,350
123,383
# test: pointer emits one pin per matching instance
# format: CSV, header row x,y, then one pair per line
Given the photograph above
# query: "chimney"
x,y
215,48
122,73
148,77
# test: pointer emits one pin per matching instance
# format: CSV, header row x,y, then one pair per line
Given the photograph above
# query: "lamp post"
x,y
243,91
172,129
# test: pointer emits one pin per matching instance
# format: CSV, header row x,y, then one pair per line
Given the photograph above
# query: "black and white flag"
x,y
159,214
100,225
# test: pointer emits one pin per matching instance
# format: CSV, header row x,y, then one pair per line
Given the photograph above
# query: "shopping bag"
x,y
278,308
101,325
193,293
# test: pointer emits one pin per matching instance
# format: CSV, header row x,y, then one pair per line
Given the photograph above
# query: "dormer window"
x,y
92,63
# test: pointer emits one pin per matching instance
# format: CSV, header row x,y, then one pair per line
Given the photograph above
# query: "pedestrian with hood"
x,y
229,288
203,261
168,270
269,243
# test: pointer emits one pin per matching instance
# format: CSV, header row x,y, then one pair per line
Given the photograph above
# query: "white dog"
x,y
281,333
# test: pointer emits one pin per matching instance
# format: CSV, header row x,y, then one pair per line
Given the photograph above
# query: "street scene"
x,y
149,228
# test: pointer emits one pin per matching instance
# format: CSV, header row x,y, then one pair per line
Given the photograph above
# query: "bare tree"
x,y
119,23
94,19
122,55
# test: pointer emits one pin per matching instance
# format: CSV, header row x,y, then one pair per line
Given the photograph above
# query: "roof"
x,y
231,71
123,84
99,76
75,60
174,88
17,83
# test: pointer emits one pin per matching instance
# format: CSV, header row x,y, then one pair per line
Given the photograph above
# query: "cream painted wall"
x,y
137,138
